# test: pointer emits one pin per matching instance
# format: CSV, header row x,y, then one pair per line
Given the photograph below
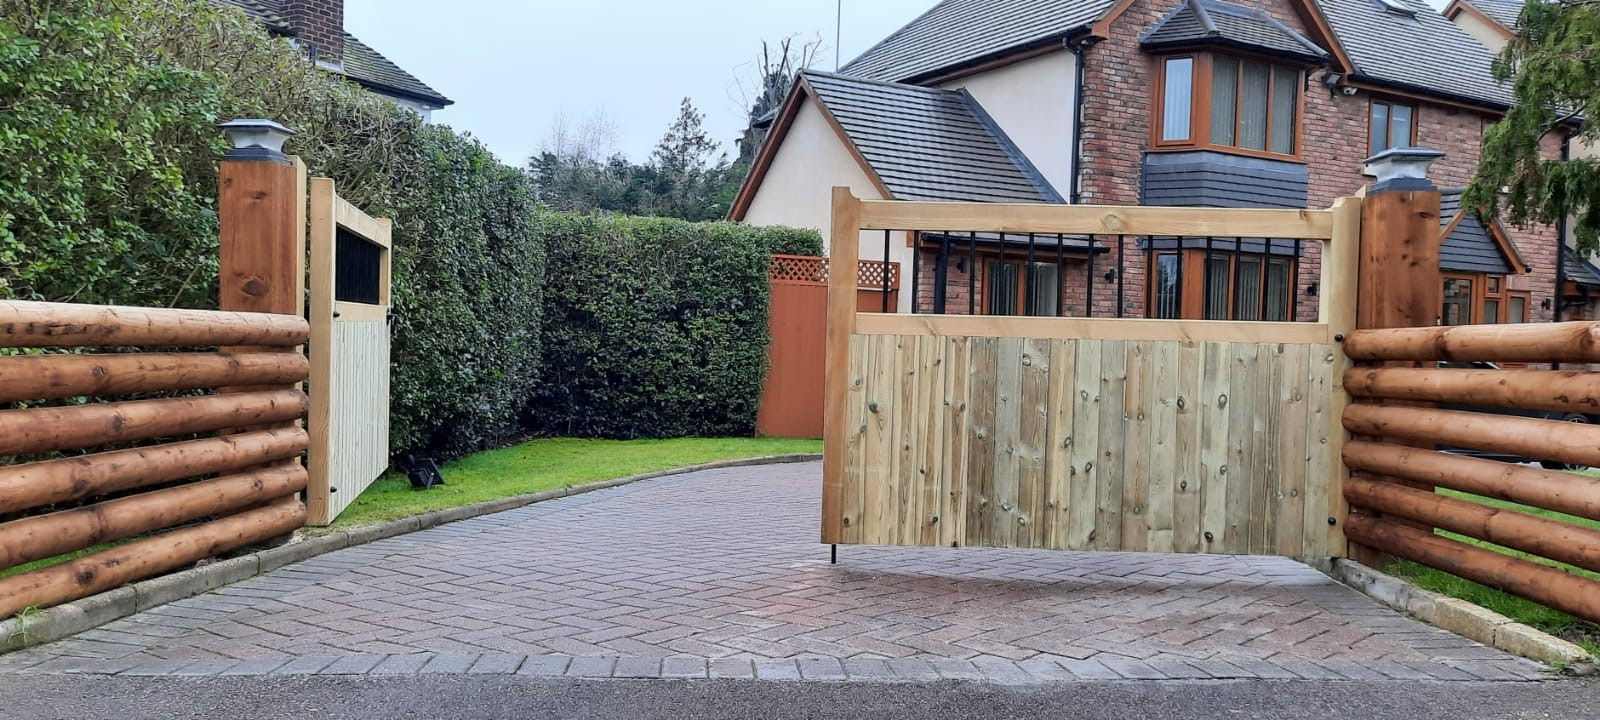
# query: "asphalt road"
x,y
450,697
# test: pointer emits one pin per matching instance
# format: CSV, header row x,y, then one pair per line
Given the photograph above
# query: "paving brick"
x,y
496,664
956,669
683,667
353,665
545,665
450,663
638,668
590,667
731,668
777,670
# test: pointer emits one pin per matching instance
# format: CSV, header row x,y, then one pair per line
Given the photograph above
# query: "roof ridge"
x,y
1023,163
932,89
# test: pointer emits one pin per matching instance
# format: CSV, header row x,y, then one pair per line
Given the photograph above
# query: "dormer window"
x,y
1229,103
1398,7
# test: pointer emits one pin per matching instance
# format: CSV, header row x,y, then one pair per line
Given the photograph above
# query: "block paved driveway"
x,y
719,573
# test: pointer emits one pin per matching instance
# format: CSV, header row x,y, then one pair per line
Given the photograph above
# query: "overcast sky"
x,y
514,66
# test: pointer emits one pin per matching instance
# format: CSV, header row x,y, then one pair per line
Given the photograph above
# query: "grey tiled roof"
x,y
364,65
1469,248
1211,22
1577,270
928,143
1504,12
1424,52
264,10
957,32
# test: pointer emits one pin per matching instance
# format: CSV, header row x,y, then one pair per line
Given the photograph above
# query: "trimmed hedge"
x,y
655,327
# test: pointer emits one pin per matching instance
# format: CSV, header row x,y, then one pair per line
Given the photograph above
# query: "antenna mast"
x,y
838,32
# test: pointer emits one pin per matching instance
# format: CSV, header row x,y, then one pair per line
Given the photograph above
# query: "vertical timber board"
x,y
319,461
358,449
1266,483
1289,511
1341,262
1083,444
852,497
846,224
1033,477
1113,430
1059,468
981,446
1161,495
1137,445
258,208
1214,456
1187,473
877,470
931,440
905,489
1004,513
952,523
1242,468
1320,360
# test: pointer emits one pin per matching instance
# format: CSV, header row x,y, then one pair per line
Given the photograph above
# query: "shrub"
x,y
655,327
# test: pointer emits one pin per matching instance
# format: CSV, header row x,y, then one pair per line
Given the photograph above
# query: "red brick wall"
x,y
320,23
1117,96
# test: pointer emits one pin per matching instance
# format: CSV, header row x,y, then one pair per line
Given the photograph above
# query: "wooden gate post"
x,y
843,251
1398,281
261,206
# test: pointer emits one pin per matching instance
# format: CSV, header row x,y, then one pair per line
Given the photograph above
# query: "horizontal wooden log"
x,y
147,558
1096,219
38,324
31,485
1574,342
1554,390
1532,438
1563,492
1552,539
45,429
1553,587
43,377
57,533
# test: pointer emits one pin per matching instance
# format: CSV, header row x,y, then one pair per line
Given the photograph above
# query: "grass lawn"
x,y
545,464
1555,622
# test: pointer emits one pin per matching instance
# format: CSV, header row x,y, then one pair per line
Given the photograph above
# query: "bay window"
x,y
1235,104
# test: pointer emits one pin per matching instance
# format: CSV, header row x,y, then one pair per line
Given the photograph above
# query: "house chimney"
x,y
320,27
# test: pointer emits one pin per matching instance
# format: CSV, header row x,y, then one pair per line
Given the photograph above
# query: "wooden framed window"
x,y
1226,285
1021,288
1393,125
1231,103
1480,299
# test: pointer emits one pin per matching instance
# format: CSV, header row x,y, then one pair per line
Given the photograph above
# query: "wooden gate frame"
x,y
330,214
1339,227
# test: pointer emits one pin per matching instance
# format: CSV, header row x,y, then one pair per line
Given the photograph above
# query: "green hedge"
x,y
655,327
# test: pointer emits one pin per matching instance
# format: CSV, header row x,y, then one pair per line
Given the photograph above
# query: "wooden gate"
x,y
1079,433
791,405
349,350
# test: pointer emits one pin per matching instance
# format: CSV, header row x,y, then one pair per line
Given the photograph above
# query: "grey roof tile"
x,y
1423,51
1211,22
367,67
956,32
1582,272
267,11
1504,12
928,143
1470,247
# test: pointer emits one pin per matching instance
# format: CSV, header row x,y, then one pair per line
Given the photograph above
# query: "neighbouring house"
x,y
1156,102
316,27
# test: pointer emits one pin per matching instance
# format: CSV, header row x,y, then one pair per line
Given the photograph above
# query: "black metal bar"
x,y
1294,284
916,270
833,554
1266,258
886,234
1179,288
941,276
1088,281
1122,250
1000,269
1061,274
972,273
1205,283
1028,273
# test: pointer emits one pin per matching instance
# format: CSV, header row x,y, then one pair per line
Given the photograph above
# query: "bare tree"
x,y
761,87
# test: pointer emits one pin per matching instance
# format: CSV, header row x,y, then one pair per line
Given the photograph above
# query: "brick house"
x,y
1275,103
316,27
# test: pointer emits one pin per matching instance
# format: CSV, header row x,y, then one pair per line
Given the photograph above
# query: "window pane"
x,y
1217,287
1277,300
1177,99
1167,286
1044,290
1491,311
1518,310
1380,127
1002,289
1247,290
1224,94
1457,301
1253,106
1494,284
1399,125
1285,102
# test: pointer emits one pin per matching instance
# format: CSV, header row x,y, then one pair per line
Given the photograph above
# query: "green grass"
x,y
1585,634
546,464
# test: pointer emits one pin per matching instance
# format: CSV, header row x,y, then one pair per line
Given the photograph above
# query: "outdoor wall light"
x,y
1311,290
1545,303
256,137
1111,275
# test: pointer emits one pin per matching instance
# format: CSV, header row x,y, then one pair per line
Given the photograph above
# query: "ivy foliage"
x,y
655,327
1553,65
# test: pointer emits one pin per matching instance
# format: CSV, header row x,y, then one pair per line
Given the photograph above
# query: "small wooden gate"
x,y
349,350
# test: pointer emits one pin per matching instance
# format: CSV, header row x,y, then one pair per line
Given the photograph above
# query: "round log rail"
x,y
1571,544
43,377
42,536
1574,443
39,324
1555,390
146,558
31,485
1576,342
1561,590
45,429
1545,489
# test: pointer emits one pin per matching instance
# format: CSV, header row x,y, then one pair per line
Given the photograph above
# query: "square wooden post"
x,y
844,248
261,206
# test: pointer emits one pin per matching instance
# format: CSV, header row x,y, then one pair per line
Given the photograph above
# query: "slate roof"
x,y
928,143
1578,270
1424,52
1504,12
1470,247
960,32
362,64
1211,22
